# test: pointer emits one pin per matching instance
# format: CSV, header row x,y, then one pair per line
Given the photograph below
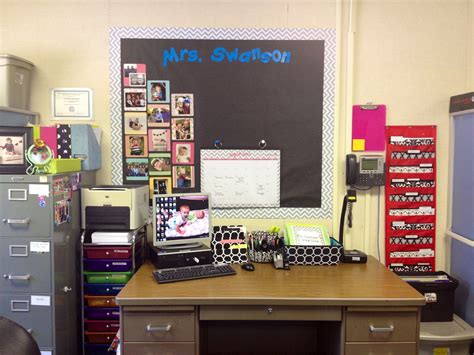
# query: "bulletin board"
x,y
240,86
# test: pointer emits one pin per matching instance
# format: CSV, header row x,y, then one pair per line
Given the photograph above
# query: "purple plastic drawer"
x,y
101,313
108,264
102,289
109,252
102,325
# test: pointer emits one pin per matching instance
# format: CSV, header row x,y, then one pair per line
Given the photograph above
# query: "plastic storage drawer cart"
x,y
106,268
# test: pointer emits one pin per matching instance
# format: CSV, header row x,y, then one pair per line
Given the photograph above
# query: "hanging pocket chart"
x,y
368,128
241,178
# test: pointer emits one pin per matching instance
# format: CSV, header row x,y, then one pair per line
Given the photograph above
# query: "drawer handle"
x,y
269,310
150,328
382,329
13,277
17,221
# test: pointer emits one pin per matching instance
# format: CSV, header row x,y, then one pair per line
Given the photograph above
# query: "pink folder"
x,y
49,134
368,127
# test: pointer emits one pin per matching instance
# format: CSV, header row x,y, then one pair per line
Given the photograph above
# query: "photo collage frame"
x,y
158,132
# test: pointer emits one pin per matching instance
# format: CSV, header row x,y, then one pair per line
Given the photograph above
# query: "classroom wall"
x,y
409,55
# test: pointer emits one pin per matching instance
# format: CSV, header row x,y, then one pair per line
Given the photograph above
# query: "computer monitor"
x,y
181,220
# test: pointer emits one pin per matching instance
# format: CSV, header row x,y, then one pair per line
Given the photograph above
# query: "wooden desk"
x,y
348,299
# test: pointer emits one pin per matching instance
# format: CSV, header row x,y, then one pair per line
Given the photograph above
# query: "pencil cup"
x,y
260,247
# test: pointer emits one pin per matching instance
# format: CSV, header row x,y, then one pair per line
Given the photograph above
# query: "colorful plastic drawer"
x,y
107,277
102,289
109,252
100,338
100,301
97,349
108,264
102,325
101,313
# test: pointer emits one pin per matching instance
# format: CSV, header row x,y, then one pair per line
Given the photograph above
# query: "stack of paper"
x,y
111,237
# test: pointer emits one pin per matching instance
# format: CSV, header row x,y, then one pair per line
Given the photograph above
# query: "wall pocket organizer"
x,y
410,198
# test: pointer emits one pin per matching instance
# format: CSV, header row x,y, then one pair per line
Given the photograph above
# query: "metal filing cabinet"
x,y
39,273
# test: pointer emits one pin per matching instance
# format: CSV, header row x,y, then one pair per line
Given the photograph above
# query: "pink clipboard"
x,y
368,127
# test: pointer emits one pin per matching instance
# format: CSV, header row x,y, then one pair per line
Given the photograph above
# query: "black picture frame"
x,y
17,134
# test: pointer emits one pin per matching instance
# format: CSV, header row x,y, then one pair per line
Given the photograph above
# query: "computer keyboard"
x,y
192,272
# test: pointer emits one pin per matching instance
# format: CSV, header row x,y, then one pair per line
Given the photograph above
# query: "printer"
x,y
115,207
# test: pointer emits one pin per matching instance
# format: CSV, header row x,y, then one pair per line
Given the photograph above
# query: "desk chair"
x,y
15,340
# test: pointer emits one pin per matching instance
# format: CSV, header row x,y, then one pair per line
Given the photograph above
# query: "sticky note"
x,y
358,145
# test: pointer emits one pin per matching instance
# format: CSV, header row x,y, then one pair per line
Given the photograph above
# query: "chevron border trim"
x,y
326,35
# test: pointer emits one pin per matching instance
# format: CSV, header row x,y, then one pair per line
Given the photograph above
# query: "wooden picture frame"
x,y
14,141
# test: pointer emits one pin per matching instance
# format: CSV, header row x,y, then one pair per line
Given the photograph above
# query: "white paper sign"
x,y
39,247
38,189
241,178
46,352
40,300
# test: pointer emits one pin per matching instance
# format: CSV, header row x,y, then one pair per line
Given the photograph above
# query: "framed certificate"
x,y
73,104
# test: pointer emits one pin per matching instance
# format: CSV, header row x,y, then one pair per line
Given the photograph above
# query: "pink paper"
x,y
49,134
369,125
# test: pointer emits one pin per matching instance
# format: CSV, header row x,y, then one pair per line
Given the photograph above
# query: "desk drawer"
x,y
381,326
158,326
304,313
158,348
380,348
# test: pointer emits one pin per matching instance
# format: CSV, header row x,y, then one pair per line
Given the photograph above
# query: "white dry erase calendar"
x,y
241,178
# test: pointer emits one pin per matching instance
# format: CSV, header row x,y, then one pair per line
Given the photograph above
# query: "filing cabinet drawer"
x,y
158,326
381,326
305,313
21,214
37,319
381,348
158,348
25,265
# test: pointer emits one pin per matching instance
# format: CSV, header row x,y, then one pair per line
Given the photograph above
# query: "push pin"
x,y
262,144
218,143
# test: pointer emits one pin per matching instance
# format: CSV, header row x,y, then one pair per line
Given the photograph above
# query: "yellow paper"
x,y
441,351
358,144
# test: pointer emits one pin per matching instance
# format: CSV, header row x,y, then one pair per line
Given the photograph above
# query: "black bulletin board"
x,y
241,103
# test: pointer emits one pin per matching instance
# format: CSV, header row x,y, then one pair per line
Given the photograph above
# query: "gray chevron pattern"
x,y
327,35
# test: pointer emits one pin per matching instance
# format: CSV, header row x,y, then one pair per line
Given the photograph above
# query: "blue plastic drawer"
x,y
108,264
102,289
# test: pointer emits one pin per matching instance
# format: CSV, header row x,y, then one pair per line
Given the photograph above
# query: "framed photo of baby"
x,y
13,143
183,177
183,153
158,91
136,146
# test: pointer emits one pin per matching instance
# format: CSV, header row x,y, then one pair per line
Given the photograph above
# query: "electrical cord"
x,y
349,214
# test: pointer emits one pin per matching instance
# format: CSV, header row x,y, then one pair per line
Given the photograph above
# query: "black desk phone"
x,y
369,171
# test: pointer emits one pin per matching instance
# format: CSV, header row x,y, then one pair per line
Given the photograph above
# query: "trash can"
x,y
438,288
15,73
453,338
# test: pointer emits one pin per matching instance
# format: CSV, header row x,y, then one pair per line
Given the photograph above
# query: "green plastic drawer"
x,y
107,277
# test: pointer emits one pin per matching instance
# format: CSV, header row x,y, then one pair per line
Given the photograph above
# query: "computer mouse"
x,y
247,267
